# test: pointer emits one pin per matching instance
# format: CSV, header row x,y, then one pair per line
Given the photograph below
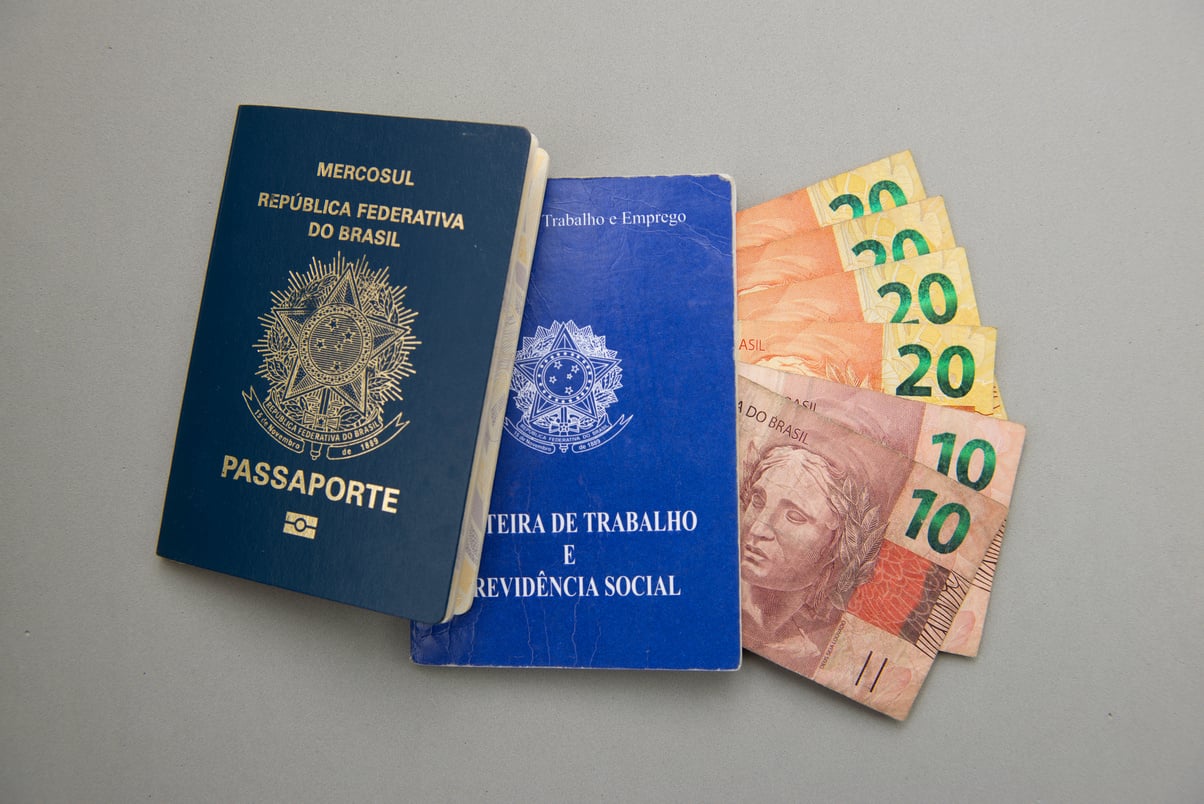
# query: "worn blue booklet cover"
x,y
612,532
365,287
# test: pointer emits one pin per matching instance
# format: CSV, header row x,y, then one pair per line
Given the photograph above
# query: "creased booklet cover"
x,y
341,415
613,530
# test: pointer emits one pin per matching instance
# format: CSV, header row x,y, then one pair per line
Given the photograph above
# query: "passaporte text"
x,y
359,493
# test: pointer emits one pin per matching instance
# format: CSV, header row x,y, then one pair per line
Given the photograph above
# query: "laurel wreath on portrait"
x,y
859,541
862,540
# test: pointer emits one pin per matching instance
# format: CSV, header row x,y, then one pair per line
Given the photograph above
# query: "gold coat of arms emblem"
x,y
335,349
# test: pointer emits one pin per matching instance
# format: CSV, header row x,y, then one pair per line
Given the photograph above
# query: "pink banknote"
x,y
979,452
854,558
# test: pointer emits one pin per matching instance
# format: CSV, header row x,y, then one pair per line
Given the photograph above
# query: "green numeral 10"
x,y
924,357
927,498
947,441
896,246
854,203
925,293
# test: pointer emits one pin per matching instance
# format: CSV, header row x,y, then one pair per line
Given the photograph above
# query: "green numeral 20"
x,y
854,203
927,498
925,293
909,388
947,440
896,246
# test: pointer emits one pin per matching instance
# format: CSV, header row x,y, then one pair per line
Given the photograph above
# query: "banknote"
x,y
890,182
999,412
854,558
945,364
981,453
890,236
933,288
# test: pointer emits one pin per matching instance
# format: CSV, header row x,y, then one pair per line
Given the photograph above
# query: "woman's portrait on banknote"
x,y
810,534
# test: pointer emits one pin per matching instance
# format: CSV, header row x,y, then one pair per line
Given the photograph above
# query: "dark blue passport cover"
x,y
342,353
613,525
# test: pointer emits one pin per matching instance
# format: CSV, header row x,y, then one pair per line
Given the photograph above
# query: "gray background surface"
x,y
1066,142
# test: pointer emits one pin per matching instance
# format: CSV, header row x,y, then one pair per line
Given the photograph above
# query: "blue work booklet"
x,y
612,536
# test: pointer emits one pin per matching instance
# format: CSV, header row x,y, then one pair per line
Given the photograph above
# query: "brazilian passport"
x,y
359,320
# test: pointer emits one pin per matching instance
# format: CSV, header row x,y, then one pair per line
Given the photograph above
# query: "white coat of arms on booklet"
x,y
564,380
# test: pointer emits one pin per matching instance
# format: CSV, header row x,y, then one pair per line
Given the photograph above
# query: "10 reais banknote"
x,y
854,558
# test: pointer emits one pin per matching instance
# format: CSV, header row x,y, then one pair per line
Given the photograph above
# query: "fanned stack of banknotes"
x,y
877,459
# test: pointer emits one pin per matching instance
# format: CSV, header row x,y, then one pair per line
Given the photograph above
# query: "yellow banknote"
x,y
981,453
854,558
897,234
933,288
999,411
943,364
890,182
